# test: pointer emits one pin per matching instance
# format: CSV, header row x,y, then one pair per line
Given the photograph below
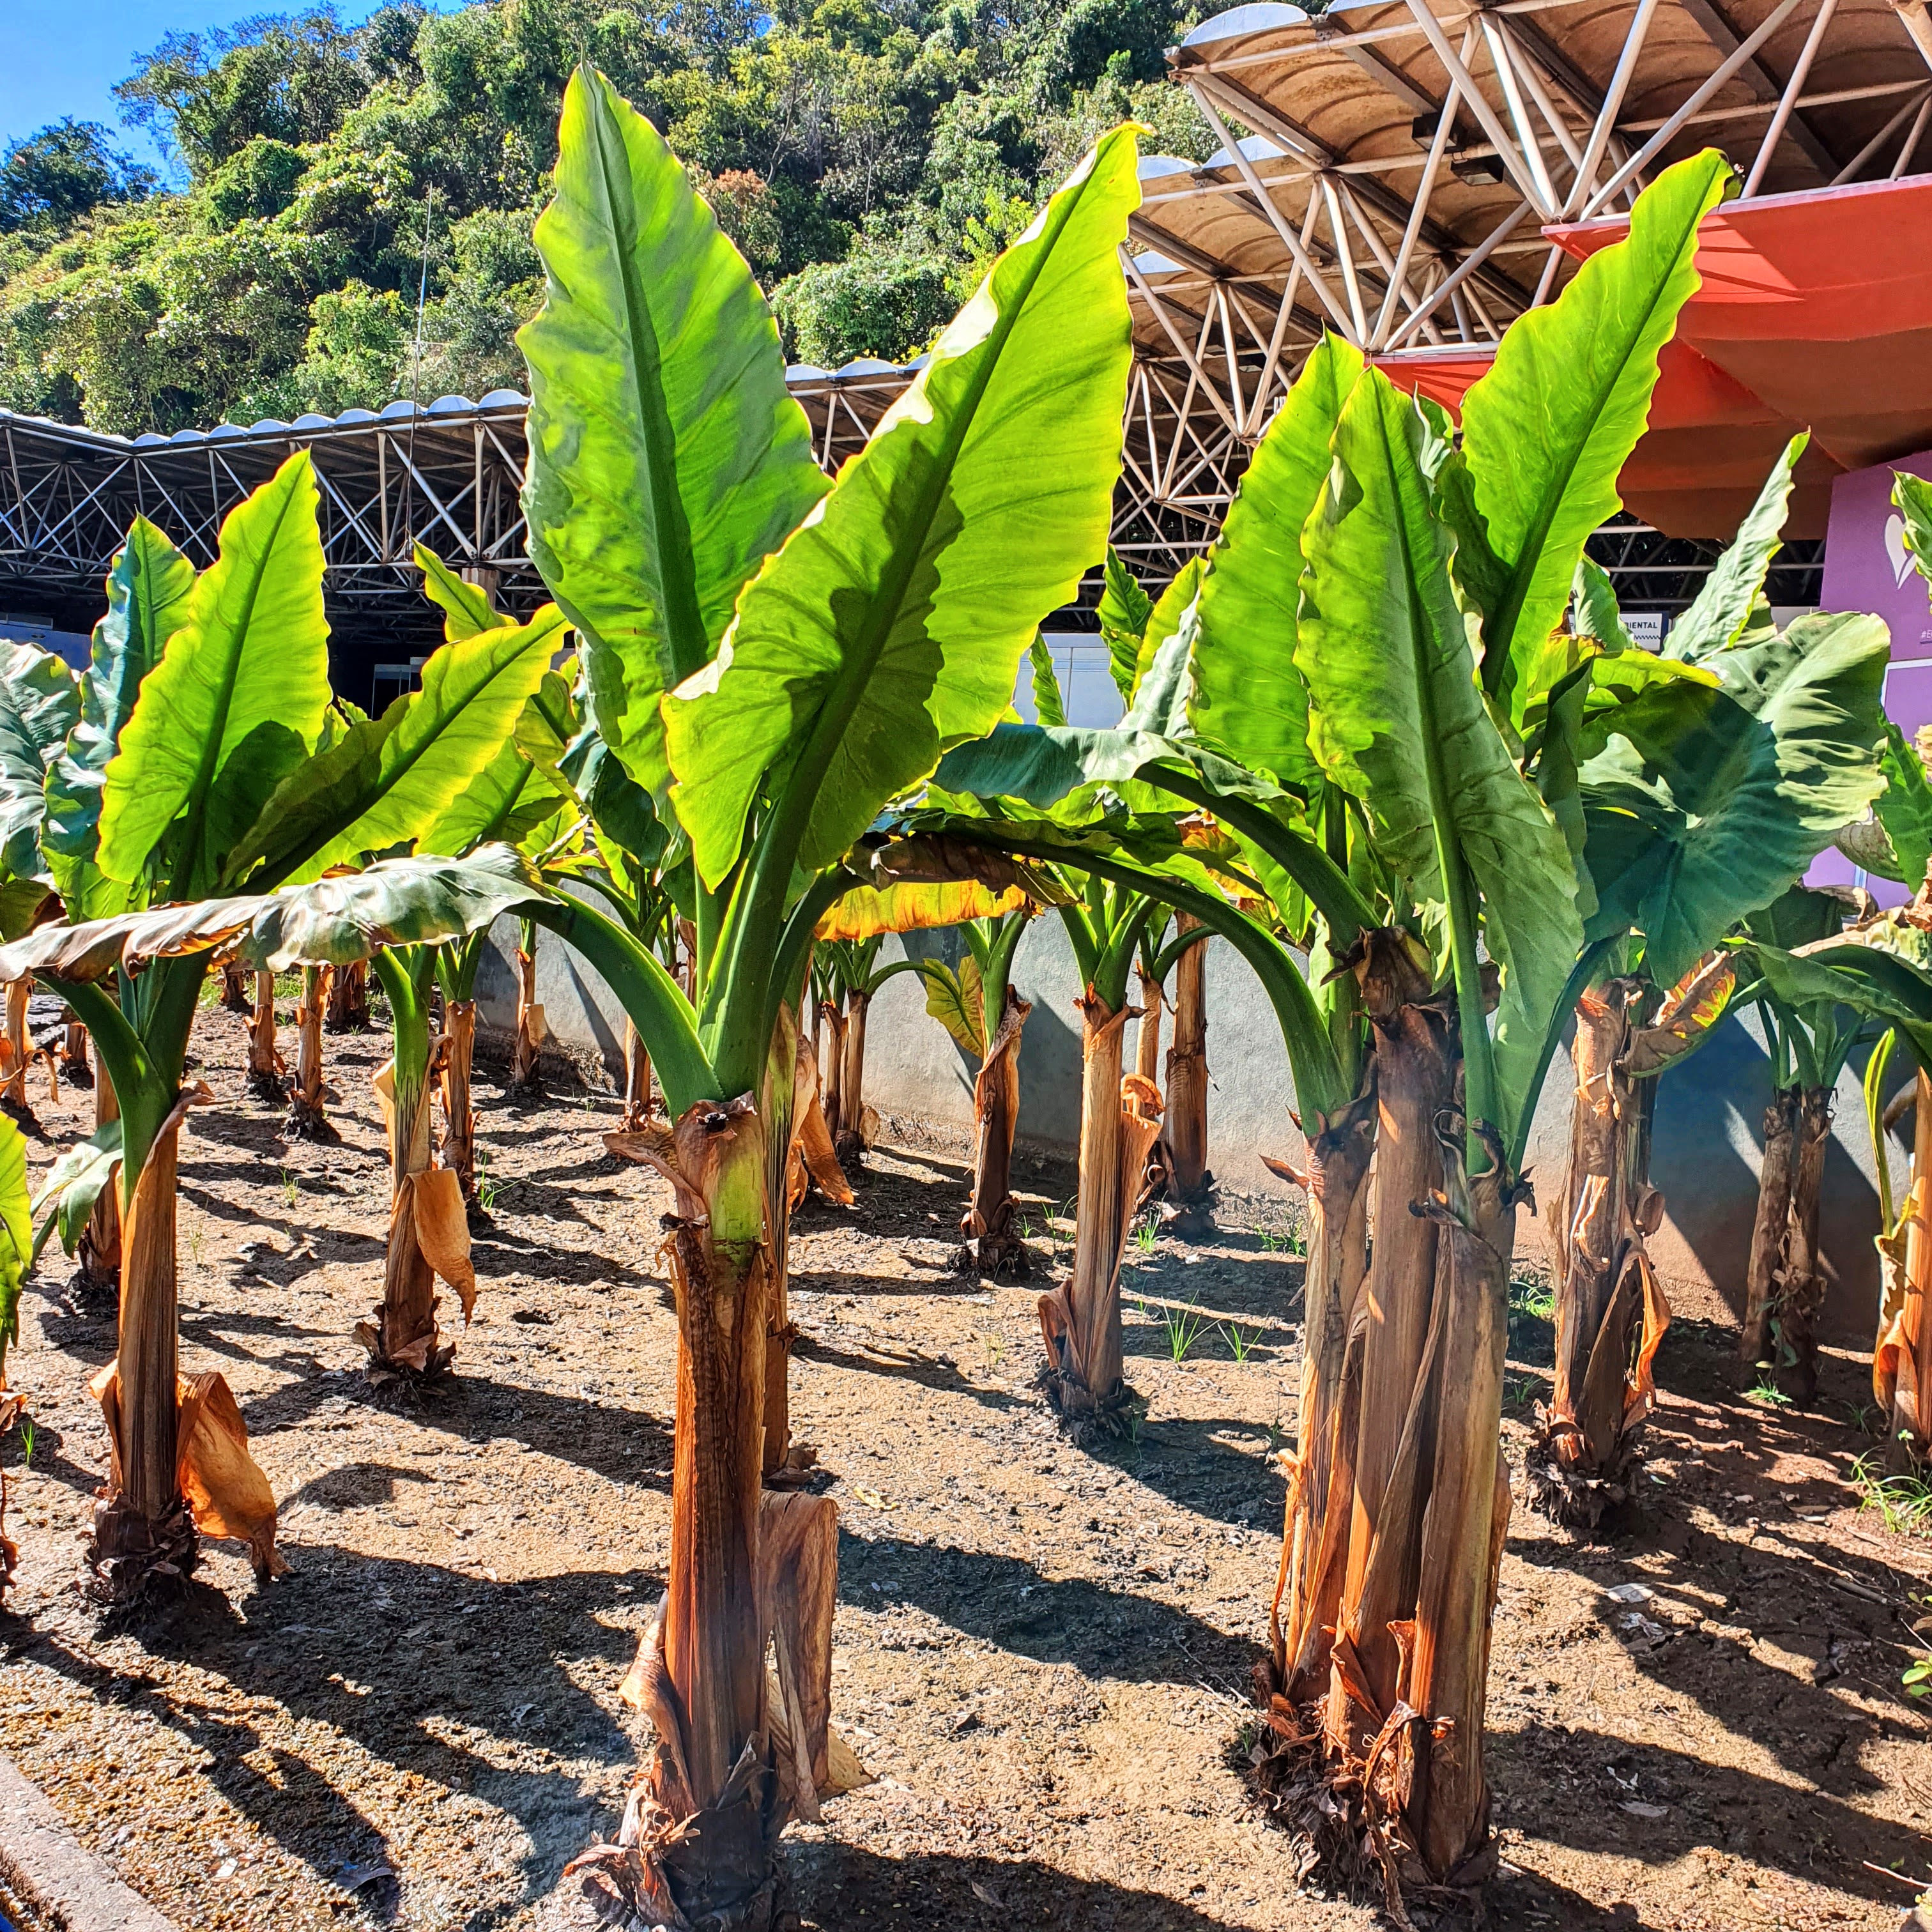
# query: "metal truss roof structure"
x,y
1402,159
1406,164
447,476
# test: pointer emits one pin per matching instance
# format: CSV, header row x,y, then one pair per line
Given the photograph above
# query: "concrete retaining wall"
x,y
1707,1148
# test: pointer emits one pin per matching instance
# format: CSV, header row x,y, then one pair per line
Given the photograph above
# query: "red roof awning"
x,y
1815,311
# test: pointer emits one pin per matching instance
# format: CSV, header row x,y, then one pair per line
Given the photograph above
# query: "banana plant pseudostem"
x,y
779,657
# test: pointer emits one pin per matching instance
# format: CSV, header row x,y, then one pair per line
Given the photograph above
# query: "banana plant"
x,y
200,782
347,1010
40,703
1704,795
1425,805
978,1004
637,861
845,954
779,656
1878,970
517,800
849,972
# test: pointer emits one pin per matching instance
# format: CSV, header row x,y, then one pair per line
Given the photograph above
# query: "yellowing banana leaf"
x,y
911,906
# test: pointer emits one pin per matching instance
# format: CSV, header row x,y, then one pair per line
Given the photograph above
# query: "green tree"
x,y
68,170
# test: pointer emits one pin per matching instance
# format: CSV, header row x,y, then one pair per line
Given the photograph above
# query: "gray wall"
x,y
1705,1155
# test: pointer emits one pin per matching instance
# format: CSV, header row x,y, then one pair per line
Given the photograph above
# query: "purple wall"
x,y
1867,568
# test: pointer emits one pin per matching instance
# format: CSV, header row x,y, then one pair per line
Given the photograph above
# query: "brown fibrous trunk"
x,y
1189,1210
76,1062
832,1079
235,987
708,1807
527,1052
1080,1320
858,1125
144,1536
459,1114
1610,1310
348,1007
98,1250
636,1081
1784,1282
266,1065
16,1052
1902,1359
308,1116
1320,1475
992,1243
1379,1769
1146,1064
429,1237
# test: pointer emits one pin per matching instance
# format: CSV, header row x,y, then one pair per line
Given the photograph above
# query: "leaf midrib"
x,y
672,557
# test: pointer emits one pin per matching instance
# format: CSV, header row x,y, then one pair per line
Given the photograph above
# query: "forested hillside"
x,y
868,159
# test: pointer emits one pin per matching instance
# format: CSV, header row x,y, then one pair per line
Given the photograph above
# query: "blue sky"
x,y
63,56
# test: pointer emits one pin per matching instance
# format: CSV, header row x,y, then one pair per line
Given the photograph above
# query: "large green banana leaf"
x,y
1049,707
1249,697
1123,612
1171,608
465,608
1872,979
1546,432
1904,813
891,624
243,683
1396,719
1711,802
39,704
565,746
1717,616
667,456
405,901
148,590
408,901
1913,497
73,1184
395,778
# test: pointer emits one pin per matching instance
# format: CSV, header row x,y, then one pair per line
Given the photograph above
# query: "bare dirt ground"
x,y
1042,1651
